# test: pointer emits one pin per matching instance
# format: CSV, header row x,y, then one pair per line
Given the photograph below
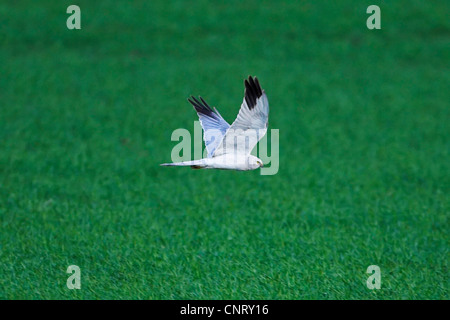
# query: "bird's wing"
x,y
251,123
214,126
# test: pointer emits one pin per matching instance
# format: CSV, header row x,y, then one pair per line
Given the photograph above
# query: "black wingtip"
x,y
253,91
200,106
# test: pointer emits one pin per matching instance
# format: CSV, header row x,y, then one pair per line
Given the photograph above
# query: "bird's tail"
x,y
195,164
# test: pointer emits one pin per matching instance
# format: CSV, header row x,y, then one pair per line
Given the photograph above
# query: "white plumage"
x,y
228,146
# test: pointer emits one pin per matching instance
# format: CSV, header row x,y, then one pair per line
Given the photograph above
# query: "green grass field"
x,y
86,117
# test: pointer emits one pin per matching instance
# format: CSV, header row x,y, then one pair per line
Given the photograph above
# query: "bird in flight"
x,y
228,146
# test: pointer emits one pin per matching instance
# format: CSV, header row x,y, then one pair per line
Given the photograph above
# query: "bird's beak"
x,y
261,165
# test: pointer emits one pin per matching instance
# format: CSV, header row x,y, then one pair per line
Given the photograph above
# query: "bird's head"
x,y
255,162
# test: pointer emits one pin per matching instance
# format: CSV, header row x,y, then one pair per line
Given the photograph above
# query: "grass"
x,y
86,118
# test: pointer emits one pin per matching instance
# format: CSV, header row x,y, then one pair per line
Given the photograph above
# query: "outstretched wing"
x,y
214,126
251,123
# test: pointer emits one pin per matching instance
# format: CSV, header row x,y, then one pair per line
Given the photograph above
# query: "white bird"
x,y
228,146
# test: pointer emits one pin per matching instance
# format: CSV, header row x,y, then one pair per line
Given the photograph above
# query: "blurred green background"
x,y
86,118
